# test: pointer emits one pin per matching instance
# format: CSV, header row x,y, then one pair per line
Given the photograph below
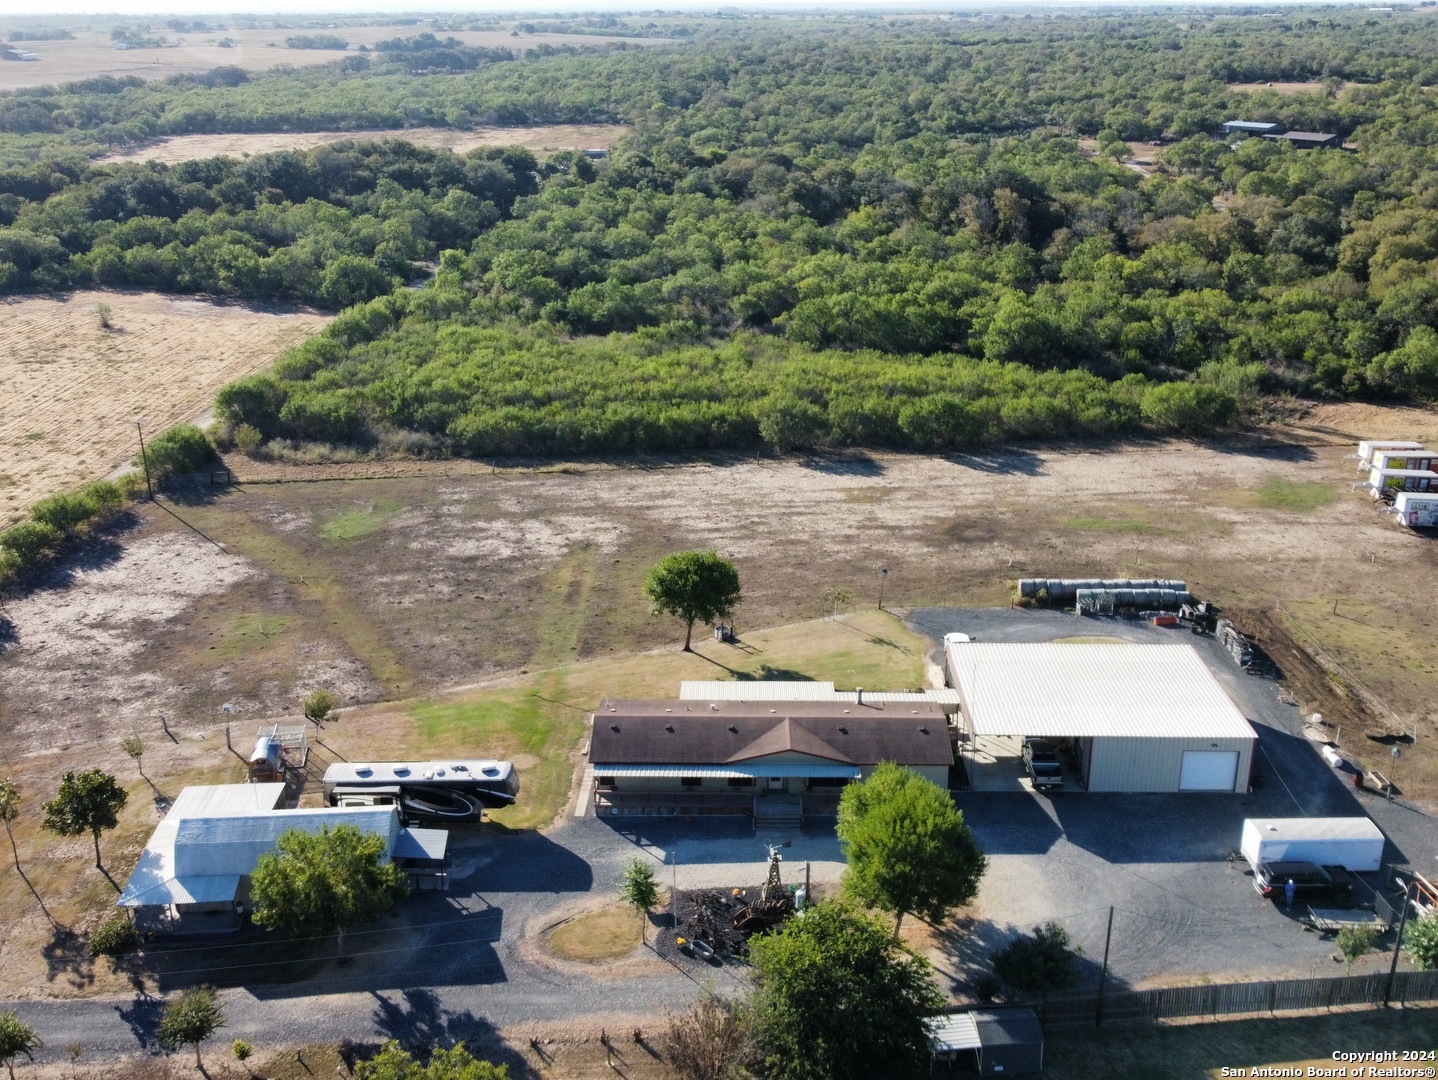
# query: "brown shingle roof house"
x,y
785,747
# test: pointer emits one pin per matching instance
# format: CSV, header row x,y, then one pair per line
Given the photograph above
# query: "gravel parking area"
x,y
1182,909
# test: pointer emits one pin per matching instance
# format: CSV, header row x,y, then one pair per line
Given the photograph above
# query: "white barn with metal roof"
x,y
1137,717
198,861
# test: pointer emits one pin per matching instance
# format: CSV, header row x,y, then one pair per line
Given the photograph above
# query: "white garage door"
x,y
1208,770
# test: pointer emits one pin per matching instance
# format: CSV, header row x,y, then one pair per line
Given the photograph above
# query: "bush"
x,y
1188,408
1039,964
248,438
788,423
116,936
27,545
181,449
1420,942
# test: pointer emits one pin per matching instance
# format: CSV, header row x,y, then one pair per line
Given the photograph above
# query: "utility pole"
x,y
1103,971
145,461
1397,947
883,576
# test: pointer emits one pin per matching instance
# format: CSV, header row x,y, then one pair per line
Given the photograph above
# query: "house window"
x,y
691,782
827,781
741,781
605,782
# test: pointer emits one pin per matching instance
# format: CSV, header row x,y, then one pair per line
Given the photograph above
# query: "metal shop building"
x,y
1133,718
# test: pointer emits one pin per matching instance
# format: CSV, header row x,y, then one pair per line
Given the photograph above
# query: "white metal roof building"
x,y
200,857
804,690
1139,717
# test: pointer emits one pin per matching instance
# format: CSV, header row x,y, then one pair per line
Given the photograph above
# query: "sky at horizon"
x,y
30,10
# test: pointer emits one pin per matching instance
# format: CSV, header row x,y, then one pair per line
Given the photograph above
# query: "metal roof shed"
x,y
1005,1042
1139,717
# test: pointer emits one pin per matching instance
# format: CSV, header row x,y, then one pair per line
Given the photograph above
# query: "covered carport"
x,y
997,1042
1129,717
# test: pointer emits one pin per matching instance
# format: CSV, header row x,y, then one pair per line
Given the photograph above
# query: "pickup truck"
x,y
1041,762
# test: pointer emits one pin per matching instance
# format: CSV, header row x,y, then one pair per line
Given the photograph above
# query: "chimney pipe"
x,y
860,690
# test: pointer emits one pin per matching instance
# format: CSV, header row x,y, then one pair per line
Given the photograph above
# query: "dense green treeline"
x,y
820,232
332,227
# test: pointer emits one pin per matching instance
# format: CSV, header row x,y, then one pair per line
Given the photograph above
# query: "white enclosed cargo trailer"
x,y
1369,447
1391,480
1416,509
1403,459
1354,843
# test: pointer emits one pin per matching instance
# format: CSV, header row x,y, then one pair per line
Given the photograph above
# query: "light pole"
x,y
883,576
1397,945
145,461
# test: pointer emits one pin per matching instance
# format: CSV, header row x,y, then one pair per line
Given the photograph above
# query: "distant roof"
x,y
1065,690
221,800
956,1031
1251,125
669,732
393,771
1304,136
984,1028
802,690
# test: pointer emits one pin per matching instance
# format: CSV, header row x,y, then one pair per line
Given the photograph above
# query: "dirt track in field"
x,y
543,139
71,391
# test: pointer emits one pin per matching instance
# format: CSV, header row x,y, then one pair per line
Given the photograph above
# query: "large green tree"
x,y
16,1038
696,586
321,882
191,1017
837,998
908,847
87,802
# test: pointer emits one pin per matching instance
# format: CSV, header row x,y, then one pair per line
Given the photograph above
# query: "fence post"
x,y
1272,998
1103,971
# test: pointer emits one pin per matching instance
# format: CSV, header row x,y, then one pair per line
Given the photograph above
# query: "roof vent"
x,y
773,711
733,730
843,730
923,729
713,707
668,710
669,728
859,690
613,727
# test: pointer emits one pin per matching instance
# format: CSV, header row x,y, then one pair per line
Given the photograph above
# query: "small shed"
x,y
1002,1042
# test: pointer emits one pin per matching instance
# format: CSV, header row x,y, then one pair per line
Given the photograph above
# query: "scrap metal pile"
x,y
724,921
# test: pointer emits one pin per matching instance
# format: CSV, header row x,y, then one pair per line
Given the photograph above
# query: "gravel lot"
x,y
1181,910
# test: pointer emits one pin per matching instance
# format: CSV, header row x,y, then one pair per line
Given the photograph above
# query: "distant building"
x,y
17,54
1251,127
1308,140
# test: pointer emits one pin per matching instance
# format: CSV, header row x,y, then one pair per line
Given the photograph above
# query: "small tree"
x,y
837,998
835,597
318,707
696,586
135,747
115,936
102,314
190,1018
9,811
1420,941
318,883
907,845
1040,964
248,439
1356,942
242,1051
708,1041
641,890
87,802
16,1038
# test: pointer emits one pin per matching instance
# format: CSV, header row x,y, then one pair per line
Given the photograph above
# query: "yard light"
x,y
883,575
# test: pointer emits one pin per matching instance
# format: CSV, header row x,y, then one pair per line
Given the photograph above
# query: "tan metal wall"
x,y
1150,764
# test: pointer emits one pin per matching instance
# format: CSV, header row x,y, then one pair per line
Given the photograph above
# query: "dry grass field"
x,y
71,391
92,53
544,139
1283,87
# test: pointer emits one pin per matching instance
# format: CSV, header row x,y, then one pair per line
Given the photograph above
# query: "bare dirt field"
x,y
71,391
1283,87
92,53
542,139
1142,156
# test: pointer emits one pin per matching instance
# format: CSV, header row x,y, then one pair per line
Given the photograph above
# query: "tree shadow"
x,y
38,899
142,1017
9,634
854,463
67,958
1007,462
770,673
416,1020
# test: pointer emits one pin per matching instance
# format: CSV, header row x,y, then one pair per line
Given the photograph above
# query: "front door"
x,y
776,783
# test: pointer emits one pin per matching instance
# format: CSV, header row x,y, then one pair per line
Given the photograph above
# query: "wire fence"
x,y
1235,999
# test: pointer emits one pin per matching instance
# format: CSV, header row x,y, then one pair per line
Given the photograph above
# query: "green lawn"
x,y
359,521
1280,494
540,720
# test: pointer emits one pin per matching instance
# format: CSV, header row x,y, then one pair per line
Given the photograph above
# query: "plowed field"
x,y
72,391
